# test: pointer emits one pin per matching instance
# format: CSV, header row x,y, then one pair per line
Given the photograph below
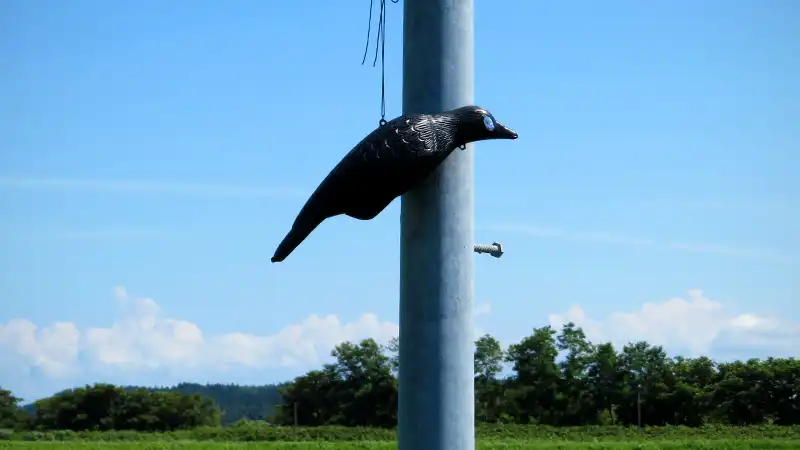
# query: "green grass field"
x,y
481,445
257,435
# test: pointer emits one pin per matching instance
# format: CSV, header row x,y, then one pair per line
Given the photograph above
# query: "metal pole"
x,y
437,392
639,406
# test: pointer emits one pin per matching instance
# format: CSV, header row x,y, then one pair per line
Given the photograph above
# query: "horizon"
x,y
505,373
154,155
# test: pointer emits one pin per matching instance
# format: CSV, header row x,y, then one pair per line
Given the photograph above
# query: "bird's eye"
x,y
488,123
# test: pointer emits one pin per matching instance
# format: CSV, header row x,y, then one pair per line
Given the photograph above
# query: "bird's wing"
x,y
382,155
402,139
383,161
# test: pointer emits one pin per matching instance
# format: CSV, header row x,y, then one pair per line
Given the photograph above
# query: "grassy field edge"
x,y
261,432
721,444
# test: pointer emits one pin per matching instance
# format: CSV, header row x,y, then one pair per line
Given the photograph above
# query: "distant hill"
x,y
236,402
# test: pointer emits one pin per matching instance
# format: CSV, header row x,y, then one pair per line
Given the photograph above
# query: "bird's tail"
x,y
301,228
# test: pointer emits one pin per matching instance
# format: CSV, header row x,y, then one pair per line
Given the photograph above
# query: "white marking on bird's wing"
x,y
432,128
399,135
386,144
365,152
414,132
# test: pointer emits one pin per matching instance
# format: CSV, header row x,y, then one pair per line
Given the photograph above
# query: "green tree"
x,y
742,394
368,389
576,404
236,402
646,373
690,399
358,389
106,407
784,397
489,357
537,377
11,416
393,352
310,398
605,380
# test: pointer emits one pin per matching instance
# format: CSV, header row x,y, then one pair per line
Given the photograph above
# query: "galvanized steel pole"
x,y
436,400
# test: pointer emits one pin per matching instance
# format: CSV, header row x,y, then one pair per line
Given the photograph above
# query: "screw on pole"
x,y
495,249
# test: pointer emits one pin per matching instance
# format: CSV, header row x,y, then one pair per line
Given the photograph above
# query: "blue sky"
x,y
153,154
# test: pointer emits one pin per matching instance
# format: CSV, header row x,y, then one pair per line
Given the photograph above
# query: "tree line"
x,y
232,401
559,378
104,407
236,402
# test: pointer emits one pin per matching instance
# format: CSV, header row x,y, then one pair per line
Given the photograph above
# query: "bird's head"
x,y
474,123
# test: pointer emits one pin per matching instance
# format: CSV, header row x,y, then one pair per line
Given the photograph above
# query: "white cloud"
x,y
53,349
143,346
697,326
601,237
144,339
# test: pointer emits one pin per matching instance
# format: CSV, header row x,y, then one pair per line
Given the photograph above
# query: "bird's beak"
x,y
503,132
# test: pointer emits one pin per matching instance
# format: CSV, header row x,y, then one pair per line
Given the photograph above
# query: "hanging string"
x,y
379,44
